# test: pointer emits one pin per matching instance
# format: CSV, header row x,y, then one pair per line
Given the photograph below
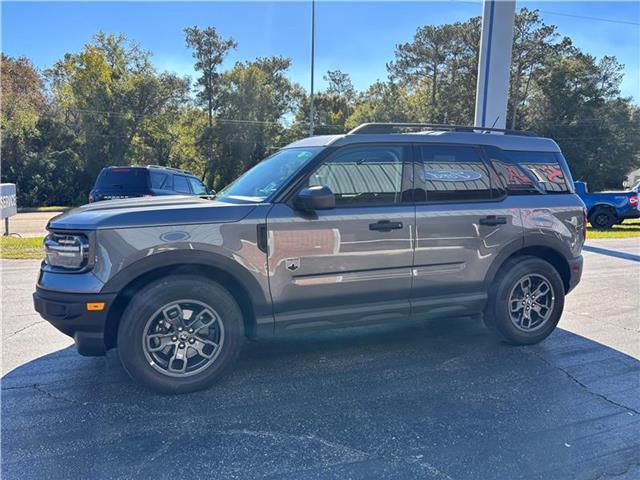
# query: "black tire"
x,y
145,306
497,314
603,218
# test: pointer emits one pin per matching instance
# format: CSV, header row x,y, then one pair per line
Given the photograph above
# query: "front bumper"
x,y
68,313
575,272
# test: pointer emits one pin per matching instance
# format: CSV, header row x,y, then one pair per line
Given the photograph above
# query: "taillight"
x,y
633,200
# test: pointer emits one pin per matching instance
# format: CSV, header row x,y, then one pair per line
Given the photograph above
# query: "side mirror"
x,y
313,198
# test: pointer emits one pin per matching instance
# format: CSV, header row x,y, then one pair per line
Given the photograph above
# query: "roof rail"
x,y
170,168
372,128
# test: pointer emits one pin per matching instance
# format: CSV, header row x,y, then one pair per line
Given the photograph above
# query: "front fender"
x,y
193,258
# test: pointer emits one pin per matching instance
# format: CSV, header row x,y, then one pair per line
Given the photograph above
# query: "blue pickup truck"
x,y
605,209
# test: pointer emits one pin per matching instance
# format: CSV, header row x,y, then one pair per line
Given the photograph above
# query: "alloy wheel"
x,y
531,302
183,338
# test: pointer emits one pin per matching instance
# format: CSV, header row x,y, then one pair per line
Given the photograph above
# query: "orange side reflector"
x,y
96,307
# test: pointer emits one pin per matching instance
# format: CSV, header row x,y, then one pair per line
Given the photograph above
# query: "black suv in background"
x,y
152,180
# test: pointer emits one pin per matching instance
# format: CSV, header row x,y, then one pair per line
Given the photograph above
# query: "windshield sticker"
x,y
306,155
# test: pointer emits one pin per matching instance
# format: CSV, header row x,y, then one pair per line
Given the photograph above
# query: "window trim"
x,y
407,162
419,161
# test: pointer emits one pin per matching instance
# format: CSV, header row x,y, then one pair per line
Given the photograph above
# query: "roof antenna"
x,y
494,124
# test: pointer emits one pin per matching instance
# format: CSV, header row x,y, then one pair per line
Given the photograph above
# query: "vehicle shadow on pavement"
x,y
439,400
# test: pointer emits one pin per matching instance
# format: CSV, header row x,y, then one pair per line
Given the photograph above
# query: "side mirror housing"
x,y
314,198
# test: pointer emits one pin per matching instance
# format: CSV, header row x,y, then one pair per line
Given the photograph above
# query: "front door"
x,y
351,264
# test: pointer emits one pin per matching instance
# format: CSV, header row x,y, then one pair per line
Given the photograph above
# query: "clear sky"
x,y
356,37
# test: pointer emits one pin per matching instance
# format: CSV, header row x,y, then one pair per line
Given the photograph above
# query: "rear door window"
x,y
181,184
158,179
455,173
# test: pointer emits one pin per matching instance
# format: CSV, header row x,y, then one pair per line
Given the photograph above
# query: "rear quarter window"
x,y
517,168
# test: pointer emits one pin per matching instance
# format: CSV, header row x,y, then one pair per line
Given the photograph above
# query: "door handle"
x,y
492,221
385,226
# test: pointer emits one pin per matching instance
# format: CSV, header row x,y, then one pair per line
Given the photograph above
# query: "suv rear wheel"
x,y
525,301
179,334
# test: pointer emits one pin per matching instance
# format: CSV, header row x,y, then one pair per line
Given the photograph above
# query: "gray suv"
x,y
385,223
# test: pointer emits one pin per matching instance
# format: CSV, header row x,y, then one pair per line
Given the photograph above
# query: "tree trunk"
x,y
212,165
515,95
434,79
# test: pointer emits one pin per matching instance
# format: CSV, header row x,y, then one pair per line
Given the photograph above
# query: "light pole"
x,y
494,64
313,41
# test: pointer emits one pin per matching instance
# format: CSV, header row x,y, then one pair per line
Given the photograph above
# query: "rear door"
x,y
352,263
465,221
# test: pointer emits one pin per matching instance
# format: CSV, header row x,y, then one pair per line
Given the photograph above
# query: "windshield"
x,y
266,178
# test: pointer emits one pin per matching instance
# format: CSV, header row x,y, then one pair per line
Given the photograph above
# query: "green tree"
x,y
38,150
254,99
382,102
23,102
577,103
209,50
111,94
535,45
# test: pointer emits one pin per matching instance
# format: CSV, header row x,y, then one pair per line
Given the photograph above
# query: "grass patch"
x,y
42,209
629,229
21,248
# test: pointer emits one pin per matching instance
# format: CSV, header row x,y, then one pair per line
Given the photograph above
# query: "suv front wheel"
x,y
525,301
180,333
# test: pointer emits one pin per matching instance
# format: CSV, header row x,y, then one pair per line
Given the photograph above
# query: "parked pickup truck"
x,y
605,209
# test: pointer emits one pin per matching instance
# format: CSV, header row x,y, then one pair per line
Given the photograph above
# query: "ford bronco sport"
x,y
387,222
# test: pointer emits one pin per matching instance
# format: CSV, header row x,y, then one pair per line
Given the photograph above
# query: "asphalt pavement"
x,y
438,400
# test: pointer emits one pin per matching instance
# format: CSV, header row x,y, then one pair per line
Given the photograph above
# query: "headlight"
x,y
70,251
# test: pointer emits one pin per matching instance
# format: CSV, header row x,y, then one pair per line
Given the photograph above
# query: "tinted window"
x,y
197,186
180,184
158,179
454,174
122,179
168,184
545,168
518,170
367,175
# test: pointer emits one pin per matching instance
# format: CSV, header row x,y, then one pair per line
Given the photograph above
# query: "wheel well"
x,y
605,206
224,278
552,256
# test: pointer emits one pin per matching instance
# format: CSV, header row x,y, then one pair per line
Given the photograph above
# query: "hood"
x,y
149,211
